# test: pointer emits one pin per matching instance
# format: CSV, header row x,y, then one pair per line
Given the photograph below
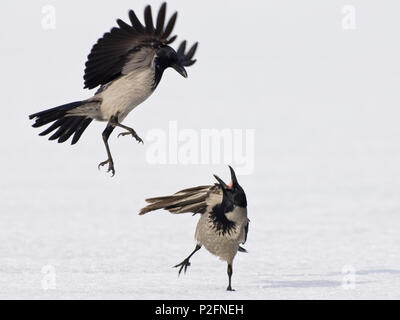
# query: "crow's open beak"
x,y
223,184
180,69
234,181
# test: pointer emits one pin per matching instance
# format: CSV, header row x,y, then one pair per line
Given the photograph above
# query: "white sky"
x,y
323,101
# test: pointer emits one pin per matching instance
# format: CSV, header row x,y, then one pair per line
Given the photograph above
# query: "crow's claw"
x,y
183,266
110,166
133,134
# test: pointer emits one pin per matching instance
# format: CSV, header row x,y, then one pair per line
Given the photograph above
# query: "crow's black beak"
x,y
223,184
234,182
180,69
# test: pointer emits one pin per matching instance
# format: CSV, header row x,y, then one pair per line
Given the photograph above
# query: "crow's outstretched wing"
x,y
193,200
128,47
197,200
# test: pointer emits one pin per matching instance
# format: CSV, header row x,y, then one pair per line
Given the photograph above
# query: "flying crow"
x,y
127,65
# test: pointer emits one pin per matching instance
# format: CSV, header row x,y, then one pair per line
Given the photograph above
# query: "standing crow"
x,y
223,224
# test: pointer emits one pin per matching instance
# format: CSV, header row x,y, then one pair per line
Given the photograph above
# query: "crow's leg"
x,y
230,271
130,131
106,134
185,263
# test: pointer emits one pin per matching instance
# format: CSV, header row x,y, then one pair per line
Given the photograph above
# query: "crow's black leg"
x,y
130,131
185,263
230,271
106,134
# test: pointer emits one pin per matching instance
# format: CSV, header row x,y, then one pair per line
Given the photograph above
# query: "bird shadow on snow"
x,y
362,272
302,284
313,283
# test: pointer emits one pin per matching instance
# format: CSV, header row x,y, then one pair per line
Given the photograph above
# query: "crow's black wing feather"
x,y
117,48
187,58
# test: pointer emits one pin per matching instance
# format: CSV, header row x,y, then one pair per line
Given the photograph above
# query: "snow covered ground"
x,y
323,196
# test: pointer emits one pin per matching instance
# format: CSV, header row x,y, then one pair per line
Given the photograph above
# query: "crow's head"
x,y
234,191
166,57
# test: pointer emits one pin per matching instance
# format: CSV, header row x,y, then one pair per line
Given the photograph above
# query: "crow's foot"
x,y
110,166
183,266
133,134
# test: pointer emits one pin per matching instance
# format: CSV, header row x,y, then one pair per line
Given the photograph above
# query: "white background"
x,y
324,103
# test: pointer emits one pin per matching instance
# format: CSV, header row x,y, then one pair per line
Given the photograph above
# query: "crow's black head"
x,y
234,191
167,57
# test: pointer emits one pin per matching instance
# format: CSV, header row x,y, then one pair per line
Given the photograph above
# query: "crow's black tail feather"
x,y
66,125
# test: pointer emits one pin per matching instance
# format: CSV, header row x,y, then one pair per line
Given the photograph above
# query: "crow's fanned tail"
x,y
66,125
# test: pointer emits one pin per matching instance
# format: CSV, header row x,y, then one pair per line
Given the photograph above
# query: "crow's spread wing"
x,y
197,200
124,44
193,200
128,47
